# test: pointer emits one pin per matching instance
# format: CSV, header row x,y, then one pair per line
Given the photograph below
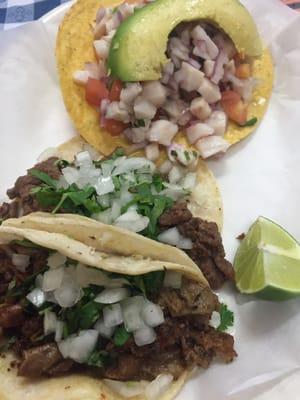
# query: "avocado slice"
x,y
137,51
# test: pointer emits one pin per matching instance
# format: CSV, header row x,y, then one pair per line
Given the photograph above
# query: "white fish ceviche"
x,y
205,83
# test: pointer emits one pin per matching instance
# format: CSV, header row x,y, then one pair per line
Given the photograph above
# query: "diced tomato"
x,y
234,107
95,91
230,96
243,71
115,91
115,128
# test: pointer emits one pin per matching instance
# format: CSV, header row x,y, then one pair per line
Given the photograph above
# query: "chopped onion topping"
x,y
132,313
68,294
174,238
56,260
104,186
21,261
112,315
80,347
36,297
132,164
215,319
144,336
173,279
104,330
59,331
52,279
132,221
50,322
152,315
110,296
158,387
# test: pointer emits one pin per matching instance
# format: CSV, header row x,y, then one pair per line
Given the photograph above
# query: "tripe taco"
x,y
155,73
79,323
181,208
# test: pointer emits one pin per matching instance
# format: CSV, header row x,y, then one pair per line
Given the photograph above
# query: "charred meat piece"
x,y
24,184
208,251
11,315
9,210
191,299
178,214
38,360
32,326
61,368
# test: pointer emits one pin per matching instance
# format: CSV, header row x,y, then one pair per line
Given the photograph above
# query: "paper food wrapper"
x,y
259,176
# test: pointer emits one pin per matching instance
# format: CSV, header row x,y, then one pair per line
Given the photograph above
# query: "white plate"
x,y
258,176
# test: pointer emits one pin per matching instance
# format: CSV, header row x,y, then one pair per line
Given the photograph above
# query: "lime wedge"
x,y
267,263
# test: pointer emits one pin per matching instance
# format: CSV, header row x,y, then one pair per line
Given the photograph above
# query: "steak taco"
x,y
174,204
155,73
80,323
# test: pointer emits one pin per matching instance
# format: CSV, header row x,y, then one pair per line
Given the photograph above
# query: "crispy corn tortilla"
x,y
74,47
79,386
205,201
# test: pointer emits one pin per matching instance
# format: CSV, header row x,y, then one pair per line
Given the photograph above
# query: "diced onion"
x,y
175,174
50,322
70,174
52,279
112,315
132,221
165,167
174,238
80,347
152,315
132,313
104,186
69,292
59,331
158,387
104,330
127,389
185,243
144,336
115,209
83,157
104,216
113,295
215,319
132,164
173,279
21,261
189,181
56,260
36,297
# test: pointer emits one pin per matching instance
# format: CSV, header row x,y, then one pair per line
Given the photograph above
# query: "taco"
x,y
163,72
181,208
79,323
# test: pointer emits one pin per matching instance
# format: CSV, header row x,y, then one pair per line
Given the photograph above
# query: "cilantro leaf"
x,y
227,318
89,314
98,359
121,336
153,281
42,176
250,122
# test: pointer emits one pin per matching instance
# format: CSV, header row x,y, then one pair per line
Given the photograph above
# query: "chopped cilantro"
x,y
42,176
250,122
153,281
121,336
89,314
98,359
139,123
187,155
62,164
226,318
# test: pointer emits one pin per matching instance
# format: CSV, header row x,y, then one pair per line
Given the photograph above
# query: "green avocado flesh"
x,y
137,52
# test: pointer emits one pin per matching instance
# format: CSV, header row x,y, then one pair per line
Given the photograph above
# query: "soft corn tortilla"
x,y
74,47
79,386
204,202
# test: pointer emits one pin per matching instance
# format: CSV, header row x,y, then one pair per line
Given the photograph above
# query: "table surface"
x,y
16,12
